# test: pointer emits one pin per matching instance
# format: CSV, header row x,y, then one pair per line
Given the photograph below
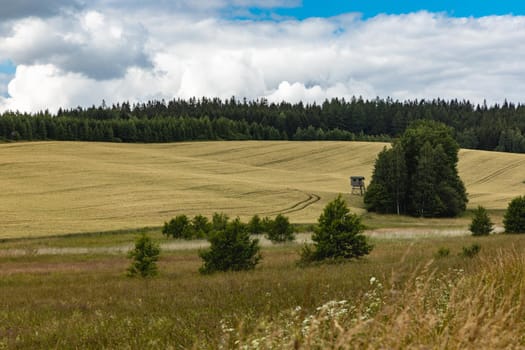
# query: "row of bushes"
x,y
277,230
338,236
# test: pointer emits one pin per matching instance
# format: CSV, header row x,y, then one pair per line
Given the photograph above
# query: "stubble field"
x,y
54,188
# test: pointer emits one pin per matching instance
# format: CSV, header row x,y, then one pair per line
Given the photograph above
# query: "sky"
x,y
69,53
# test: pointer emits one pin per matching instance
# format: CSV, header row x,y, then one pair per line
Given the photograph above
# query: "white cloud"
x,y
98,55
88,43
298,92
4,80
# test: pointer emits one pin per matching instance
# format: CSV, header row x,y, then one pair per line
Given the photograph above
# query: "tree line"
x,y
498,127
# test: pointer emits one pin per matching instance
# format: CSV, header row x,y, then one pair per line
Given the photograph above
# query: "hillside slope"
x,y
66,187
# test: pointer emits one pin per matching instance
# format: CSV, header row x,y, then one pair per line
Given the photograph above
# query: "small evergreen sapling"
x,y
145,256
255,225
280,230
514,219
481,224
338,236
231,249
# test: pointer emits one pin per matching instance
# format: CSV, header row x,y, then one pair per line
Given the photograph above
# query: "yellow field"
x,y
68,187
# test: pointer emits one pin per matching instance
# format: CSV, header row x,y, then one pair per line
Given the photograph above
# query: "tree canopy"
x,y
418,174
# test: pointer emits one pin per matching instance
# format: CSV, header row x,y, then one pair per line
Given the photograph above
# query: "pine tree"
x,y
280,230
514,218
338,235
145,256
231,249
418,175
481,224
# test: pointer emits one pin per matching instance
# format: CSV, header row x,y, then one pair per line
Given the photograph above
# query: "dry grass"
x,y
66,187
482,308
85,301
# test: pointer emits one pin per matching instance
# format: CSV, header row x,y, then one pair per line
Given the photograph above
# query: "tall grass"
x,y
85,301
432,310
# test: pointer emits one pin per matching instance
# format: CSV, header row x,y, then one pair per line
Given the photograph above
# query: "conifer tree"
x,y
481,224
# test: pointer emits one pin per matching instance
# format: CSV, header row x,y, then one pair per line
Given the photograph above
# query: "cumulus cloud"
x,y
57,88
88,43
4,80
97,55
34,8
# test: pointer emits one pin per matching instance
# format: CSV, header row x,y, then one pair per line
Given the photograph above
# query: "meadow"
x,y
86,301
70,211
54,188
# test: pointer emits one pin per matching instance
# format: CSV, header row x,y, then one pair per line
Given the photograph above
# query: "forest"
x,y
498,127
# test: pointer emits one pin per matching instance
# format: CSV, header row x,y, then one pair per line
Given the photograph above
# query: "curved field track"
x,y
66,187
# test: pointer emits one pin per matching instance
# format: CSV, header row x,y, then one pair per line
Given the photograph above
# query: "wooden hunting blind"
x,y
358,184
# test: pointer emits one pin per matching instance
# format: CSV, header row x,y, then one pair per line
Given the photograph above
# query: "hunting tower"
x,y
358,185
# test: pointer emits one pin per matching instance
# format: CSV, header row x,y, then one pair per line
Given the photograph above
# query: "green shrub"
x,y
266,224
514,219
178,227
442,253
255,225
145,256
201,227
231,250
338,236
481,224
219,221
472,251
280,230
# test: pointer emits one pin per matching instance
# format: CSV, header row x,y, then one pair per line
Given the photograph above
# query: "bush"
x,y
472,251
280,230
255,226
481,224
442,253
266,224
219,221
338,236
178,227
145,256
201,227
514,219
231,250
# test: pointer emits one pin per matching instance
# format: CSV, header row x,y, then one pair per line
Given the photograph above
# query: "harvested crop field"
x,y
53,188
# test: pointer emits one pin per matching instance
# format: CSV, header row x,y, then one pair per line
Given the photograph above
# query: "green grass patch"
x,y
85,301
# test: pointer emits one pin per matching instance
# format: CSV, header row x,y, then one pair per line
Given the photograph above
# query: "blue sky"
x,y
371,8
7,67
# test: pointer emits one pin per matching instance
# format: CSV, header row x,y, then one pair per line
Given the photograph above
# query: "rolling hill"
x,y
68,187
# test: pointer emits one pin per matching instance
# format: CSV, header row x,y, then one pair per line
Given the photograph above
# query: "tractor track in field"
x,y
312,198
498,172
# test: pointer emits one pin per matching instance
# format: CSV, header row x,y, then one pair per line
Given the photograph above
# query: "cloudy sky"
x,y
66,53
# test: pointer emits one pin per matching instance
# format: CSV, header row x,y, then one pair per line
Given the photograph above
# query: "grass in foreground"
x,y
85,301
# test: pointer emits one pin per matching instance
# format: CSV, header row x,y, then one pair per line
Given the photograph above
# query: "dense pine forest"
x,y
495,127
